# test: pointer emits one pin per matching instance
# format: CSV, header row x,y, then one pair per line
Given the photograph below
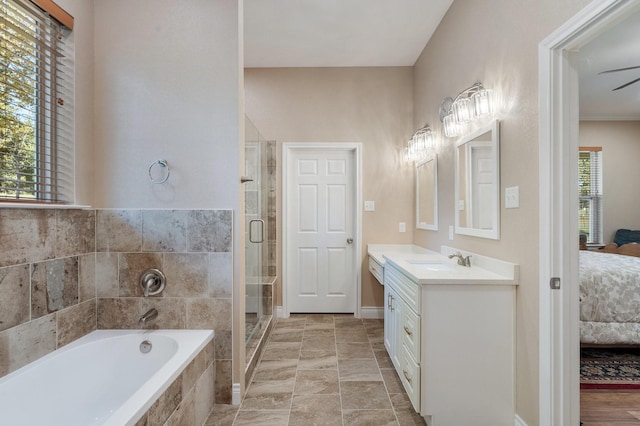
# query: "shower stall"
x,y
260,240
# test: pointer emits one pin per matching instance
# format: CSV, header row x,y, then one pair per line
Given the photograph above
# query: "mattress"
x,y
609,298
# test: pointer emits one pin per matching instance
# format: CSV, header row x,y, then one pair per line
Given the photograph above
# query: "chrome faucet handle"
x,y
467,261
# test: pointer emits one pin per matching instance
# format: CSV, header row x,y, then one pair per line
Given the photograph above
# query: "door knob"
x,y
349,240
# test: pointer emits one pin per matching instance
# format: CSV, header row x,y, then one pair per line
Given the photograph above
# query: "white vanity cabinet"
x,y
402,329
452,345
376,269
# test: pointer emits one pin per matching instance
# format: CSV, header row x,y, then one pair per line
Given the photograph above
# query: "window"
x,y
36,113
590,192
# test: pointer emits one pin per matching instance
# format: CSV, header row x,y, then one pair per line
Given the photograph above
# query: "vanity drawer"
x,y
376,269
410,377
410,331
406,289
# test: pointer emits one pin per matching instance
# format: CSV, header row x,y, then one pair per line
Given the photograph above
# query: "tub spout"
x,y
151,314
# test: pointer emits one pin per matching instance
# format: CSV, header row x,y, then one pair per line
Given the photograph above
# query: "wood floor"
x,y
609,407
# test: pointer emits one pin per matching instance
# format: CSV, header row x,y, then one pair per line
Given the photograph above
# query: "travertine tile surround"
x,y
49,261
189,399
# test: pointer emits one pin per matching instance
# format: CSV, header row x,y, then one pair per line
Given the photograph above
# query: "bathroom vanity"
x,y
450,333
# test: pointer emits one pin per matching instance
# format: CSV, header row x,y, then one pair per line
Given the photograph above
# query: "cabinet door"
x,y
389,322
392,321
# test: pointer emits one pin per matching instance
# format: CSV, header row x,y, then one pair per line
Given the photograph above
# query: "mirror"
x,y
477,183
427,194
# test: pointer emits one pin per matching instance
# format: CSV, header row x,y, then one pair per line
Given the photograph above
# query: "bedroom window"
x,y
36,112
590,192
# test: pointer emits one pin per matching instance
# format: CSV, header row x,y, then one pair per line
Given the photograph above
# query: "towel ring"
x,y
163,164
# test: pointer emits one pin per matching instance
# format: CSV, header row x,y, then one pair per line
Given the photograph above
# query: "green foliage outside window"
x,y
18,112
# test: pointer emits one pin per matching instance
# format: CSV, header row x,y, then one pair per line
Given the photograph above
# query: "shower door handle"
x,y
261,240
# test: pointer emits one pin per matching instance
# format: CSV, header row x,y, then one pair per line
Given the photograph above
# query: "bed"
x,y
610,296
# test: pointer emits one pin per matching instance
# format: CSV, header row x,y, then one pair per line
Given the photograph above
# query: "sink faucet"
x,y
151,314
462,260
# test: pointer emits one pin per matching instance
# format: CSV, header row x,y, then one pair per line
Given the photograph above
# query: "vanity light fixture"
x,y
471,104
419,145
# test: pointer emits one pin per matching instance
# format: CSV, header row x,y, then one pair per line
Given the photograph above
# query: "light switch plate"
x,y
369,206
403,227
512,197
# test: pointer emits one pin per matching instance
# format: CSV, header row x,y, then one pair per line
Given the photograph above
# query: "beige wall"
x,y
167,80
620,142
496,42
168,84
373,106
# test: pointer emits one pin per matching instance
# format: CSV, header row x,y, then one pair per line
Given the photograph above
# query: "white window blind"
x,y
36,116
590,192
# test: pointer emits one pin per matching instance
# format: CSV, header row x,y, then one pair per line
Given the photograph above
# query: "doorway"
x,y
559,308
321,228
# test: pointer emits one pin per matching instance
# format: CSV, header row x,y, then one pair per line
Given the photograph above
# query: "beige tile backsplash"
x,y
64,273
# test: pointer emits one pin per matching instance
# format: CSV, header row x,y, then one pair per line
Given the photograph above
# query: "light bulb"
x,y
482,102
463,110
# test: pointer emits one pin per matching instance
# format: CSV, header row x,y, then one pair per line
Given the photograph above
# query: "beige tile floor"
x,y
322,370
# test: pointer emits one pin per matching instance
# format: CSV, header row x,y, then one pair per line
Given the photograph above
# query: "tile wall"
x,y
64,273
189,399
47,282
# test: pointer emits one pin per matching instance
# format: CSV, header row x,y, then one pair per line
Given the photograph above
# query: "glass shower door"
x,y
257,193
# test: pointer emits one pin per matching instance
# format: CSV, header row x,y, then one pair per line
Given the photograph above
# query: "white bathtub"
x,y
100,379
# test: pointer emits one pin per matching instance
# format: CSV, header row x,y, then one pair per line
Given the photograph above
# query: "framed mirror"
x,y
477,183
427,194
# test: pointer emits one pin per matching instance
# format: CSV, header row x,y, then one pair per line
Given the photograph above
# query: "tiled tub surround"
x,y
49,261
110,381
47,282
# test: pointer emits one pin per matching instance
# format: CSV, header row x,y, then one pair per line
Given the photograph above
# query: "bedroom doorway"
x,y
559,119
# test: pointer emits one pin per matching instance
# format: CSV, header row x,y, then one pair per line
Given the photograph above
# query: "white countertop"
x,y
408,258
378,251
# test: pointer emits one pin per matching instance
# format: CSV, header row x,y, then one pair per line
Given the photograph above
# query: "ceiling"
x,y
369,33
338,33
616,48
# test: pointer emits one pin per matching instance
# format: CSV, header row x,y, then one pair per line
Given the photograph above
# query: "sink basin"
x,y
430,265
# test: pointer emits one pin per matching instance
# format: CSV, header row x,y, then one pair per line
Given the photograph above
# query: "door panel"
x,y
320,215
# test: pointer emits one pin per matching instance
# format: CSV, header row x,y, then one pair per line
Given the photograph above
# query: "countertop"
x,y
483,270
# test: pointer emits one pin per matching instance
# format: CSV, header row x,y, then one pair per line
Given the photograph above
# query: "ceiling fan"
x,y
623,69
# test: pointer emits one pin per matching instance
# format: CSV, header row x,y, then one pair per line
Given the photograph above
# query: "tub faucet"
x,y
147,286
462,260
151,314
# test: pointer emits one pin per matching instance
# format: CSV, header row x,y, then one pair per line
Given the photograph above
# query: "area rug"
x,y
611,368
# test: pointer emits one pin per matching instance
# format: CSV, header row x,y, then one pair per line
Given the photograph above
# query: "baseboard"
x,y
519,422
372,312
236,397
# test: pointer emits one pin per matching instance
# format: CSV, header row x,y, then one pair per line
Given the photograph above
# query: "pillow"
x,y
626,236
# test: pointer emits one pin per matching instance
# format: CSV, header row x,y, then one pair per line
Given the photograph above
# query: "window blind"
x,y
36,116
590,191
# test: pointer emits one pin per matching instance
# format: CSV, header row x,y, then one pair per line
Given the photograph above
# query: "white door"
x,y
320,275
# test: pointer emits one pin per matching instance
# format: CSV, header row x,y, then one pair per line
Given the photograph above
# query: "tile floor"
x,y
322,370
